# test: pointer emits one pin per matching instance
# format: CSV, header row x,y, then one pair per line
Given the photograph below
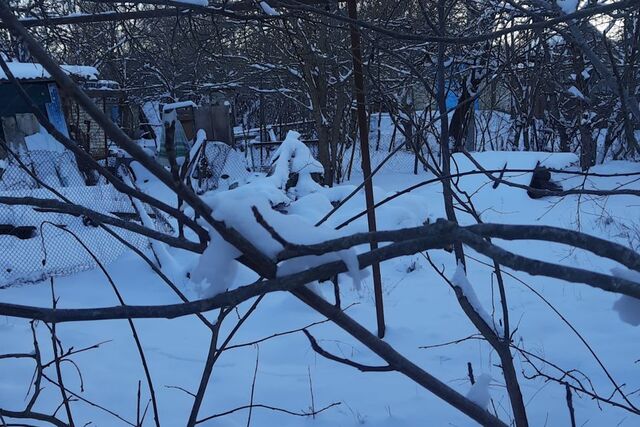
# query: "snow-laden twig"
x,y
460,280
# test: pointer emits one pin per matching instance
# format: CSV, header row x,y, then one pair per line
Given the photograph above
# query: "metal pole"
x,y
358,82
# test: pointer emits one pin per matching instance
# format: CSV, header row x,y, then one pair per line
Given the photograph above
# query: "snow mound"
x,y
294,157
235,208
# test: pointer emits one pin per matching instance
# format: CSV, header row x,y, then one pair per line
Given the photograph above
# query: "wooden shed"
x,y
17,120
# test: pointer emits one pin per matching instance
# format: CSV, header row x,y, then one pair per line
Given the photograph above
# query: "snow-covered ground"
x,y
422,315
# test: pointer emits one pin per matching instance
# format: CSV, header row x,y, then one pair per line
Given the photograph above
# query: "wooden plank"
x,y
12,134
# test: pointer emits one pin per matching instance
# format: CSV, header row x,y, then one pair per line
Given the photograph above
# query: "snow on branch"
x,y
628,308
460,280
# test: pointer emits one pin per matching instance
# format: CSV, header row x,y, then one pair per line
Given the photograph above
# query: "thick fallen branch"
x,y
558,193
596,245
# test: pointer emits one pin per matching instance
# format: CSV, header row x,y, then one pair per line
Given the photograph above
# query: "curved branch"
x,y
77,210
451,233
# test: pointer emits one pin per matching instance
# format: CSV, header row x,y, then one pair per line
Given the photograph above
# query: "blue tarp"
x,y
54,110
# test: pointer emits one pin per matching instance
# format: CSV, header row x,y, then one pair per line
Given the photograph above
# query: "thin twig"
x,y
253,385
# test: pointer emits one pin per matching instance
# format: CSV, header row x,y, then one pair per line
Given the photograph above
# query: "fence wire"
x,y
39,243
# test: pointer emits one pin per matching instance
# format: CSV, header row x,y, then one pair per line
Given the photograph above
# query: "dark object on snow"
x,y
293,179
88,222
496,183
21,232
541,180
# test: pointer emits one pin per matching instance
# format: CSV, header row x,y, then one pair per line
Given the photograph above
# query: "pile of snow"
x,y
43,141
294,157
293,209
217,267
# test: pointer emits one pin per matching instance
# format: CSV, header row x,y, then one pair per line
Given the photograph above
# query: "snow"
x,y
31,71
168,264
201,137
575,92
176,105
568,6
293,156
193,2
68,170
479,392
628,308
217,267
234,208
268,9
43,141
421,310
460,280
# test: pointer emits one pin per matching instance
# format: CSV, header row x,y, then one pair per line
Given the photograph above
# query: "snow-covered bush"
x,y
293,167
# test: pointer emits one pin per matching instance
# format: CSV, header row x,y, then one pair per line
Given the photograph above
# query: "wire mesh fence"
x,y
402,161
37,242
57,169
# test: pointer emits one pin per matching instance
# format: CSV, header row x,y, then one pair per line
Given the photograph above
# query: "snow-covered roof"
x,y
176,105
194,2
102,85
33,71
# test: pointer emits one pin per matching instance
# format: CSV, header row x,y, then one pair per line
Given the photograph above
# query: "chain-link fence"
x,y
218,165
38,242
57,169
402,161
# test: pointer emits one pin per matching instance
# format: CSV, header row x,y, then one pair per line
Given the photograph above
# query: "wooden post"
x,y
358,82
